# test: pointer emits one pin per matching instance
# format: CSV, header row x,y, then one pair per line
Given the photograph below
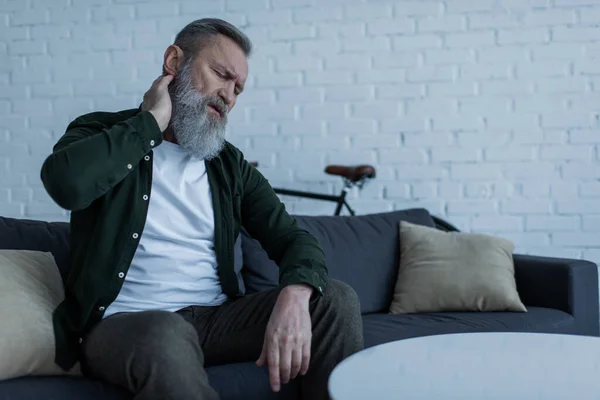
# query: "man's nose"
x,y
226,94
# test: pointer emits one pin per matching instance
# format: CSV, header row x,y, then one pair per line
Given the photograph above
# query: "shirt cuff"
x,y
305,276
148,130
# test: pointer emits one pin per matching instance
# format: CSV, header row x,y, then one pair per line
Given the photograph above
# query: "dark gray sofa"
x,y
561,296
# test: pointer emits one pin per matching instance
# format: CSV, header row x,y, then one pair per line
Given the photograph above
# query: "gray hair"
x,y
197,34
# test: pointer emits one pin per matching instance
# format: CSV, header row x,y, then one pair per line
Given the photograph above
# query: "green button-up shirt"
x,y
101,170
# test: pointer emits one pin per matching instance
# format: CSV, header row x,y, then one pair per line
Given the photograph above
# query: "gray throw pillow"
x,y
30,289
454,271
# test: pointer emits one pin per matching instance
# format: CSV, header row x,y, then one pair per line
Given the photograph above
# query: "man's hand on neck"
x,y
158,102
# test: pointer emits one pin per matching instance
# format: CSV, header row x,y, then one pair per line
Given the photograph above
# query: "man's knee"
x,y
342,297
338,311
154,354
140,338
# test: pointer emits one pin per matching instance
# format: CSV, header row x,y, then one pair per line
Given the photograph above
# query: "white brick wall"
x,y
484,111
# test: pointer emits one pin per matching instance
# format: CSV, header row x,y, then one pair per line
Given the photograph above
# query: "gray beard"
x,y
200,133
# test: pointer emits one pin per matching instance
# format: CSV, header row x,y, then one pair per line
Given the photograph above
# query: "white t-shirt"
x,y
175,263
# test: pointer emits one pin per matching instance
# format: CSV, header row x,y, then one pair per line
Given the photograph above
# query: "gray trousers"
x,y
162,355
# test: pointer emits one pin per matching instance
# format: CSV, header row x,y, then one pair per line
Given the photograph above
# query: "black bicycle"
x,y
353,176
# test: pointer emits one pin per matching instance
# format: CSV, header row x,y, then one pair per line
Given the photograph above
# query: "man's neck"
x,y
169,136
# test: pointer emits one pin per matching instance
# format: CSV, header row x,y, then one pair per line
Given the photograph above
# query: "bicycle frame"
x,y
341,202
440,223
340,199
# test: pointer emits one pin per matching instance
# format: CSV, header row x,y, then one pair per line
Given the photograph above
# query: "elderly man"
x,y
158,198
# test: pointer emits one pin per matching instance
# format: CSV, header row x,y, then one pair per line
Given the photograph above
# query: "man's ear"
x,y
173,59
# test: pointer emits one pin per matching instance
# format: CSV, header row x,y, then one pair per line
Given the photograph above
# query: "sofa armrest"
x,y
563,284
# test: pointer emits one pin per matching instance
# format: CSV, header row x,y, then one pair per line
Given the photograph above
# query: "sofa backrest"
x,y
24,234
361,251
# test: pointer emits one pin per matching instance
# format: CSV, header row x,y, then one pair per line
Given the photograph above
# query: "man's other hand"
x,y
158,102
288,338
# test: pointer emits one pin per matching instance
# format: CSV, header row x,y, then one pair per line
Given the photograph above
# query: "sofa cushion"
x,y
361,251
23,234
382,328
63,388
245,381
242,381
30,289
454,271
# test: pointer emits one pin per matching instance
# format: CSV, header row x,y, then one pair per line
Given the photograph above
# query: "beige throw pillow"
x,y
454,271
30,290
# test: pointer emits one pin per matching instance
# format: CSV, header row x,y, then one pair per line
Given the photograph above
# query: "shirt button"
x,y
147,158
121,275
80,340
145,197
129,166
152,143
135,235
101,308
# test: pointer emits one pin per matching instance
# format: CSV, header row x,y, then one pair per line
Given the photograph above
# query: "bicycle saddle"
x,y
353,174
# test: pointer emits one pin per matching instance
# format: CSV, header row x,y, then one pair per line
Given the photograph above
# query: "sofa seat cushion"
x,y
63,388
361,251
382,328
243,381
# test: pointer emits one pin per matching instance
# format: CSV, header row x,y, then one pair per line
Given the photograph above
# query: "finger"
x,y
305,358
285,361
273,361
296,361
157,80
263,356
165,80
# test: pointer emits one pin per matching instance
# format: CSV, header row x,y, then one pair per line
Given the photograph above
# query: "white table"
x,y
506,366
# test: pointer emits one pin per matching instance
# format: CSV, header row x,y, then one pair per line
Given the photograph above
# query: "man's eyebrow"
x,y
231,75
